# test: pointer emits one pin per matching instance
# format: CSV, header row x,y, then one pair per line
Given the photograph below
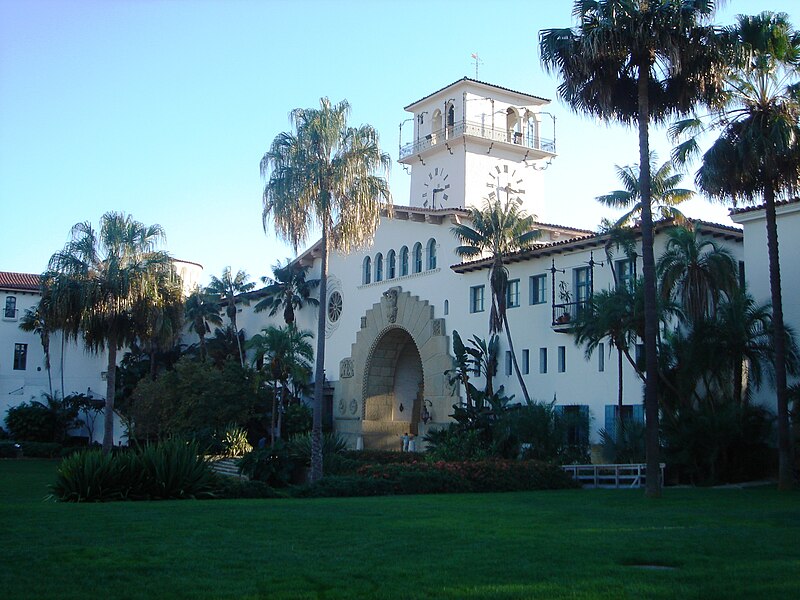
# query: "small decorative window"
x,y
417,258
334,307
512,294
403,261
562,359
542,360
10,311
601,357
447,307
431,254
526,361
391,265
379,267
20,357
476,296
367,271
538,289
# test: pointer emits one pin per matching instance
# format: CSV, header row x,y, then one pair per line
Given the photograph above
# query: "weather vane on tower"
x,y
478,61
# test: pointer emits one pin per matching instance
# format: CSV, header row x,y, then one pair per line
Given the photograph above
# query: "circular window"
x,y
334,307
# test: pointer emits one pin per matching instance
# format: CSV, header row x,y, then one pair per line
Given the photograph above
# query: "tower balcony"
x,y
537,147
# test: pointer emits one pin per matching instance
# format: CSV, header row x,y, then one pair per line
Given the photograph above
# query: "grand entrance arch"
x,y
395,370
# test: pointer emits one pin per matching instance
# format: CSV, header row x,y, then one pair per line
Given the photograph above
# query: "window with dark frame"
x,y
476,297
20,357
538,289
512,294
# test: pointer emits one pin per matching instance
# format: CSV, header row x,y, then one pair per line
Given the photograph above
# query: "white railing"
x,y
611,476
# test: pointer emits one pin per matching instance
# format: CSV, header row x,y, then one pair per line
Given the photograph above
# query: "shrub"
x,y
624,446
170,469
232,488
10,450
234,441
297,419
300,448
380,457
41,449
46,421
273,466
451,443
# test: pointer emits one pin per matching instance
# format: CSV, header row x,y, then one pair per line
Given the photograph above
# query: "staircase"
x,y
226,466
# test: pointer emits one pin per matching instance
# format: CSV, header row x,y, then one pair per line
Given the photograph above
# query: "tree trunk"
x,y
514,361
111,379
202,345
653,487
272,417
319,367
785,476
619,386
232,316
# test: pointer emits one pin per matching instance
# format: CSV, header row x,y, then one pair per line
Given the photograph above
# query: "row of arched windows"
x,y
394,265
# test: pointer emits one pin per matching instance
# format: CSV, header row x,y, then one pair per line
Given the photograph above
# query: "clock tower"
x,y
473,141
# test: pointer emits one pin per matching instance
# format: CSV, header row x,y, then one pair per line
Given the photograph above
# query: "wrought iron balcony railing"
x,y
480,130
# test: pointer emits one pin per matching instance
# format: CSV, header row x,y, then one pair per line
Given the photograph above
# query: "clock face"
x,y
503,184
436,188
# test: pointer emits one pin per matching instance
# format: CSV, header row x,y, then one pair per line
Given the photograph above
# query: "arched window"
x,y
451,119
447,307
417,257
403,261
436,123
379,267
512,124
391,266
366,276
533,131
431,254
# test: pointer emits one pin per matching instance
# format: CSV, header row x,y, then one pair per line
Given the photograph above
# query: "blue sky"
x,y
163,109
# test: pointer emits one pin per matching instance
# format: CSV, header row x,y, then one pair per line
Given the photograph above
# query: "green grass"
x,y
562,544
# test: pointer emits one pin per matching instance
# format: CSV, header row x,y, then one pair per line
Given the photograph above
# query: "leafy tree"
x,y
758,156
227,288
33,321
285,353
162,320
99,280
324,175
696,272
498,229
664,196
201,311
288,289
479,359
638,62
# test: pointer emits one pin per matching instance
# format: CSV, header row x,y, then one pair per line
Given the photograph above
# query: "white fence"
x,y
611,476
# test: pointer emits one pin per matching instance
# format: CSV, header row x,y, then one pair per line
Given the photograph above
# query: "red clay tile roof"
x,y
24,282
747,209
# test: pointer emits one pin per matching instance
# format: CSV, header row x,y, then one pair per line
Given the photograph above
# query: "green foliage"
x,y
234,441
233,488
41,449
297,419
273,466
625,445
194,398
168,470
10,449
451,443
718,442
46,421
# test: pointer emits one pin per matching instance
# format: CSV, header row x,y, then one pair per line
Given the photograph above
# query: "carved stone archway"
x,y
396,334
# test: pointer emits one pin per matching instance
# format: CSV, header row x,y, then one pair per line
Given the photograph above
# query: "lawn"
x,y
722,543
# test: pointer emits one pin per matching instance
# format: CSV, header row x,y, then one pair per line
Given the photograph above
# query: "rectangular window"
x,y
742,279
576,419
583,284
476,294
512,294
538,291
508,362
626,273
601,357
562,359
542,360
631,413
526,361
10,311
20,356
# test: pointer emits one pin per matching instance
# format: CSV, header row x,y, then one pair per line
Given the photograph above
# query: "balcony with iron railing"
x,y
478,130
565,313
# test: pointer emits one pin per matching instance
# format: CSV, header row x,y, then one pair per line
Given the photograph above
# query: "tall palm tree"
x,y
664,195
758,156
698,273
498,229
99,278
33,321
201,311
227,288
285,353
637,62
161,319
288,289
325,174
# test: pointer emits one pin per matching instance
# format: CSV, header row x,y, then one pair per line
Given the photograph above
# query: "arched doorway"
x,y
393,393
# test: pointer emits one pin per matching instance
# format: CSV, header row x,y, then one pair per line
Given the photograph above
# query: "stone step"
x,y
226,466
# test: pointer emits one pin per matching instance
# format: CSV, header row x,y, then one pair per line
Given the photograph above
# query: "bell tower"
x,y
474,141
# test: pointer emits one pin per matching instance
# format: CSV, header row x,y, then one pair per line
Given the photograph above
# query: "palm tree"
x,y
285,354
227,288
498,229
289,289
664,196
201,311
637,62
33,321
99,278
758,155
695,271
324,175
161,319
